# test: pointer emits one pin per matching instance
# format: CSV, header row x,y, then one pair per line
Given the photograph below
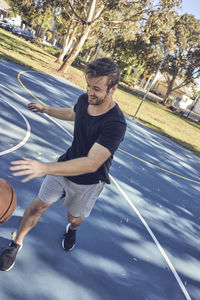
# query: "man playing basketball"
x,y
80,174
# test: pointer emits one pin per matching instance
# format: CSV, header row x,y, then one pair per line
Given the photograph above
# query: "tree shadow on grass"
x,y
178,141
13,59
20,44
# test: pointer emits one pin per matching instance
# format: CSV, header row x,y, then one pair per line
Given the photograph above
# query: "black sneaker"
x,y
7,257
68,242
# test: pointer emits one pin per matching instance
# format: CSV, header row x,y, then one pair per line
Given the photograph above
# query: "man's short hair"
x,y
104,67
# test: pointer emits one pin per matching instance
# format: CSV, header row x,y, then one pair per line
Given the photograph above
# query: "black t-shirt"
x,y
107,130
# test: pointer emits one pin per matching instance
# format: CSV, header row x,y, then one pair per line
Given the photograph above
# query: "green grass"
x,y
154,116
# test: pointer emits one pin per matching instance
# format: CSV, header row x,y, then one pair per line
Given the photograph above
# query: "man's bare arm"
x,y
97,155
67,114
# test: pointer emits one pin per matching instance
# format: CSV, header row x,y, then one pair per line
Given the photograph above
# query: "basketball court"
x,y
142,240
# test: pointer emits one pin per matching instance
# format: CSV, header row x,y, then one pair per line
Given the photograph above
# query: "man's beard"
x,y
96,100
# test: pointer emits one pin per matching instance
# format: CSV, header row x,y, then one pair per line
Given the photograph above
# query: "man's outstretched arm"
x,y
65,113
97,155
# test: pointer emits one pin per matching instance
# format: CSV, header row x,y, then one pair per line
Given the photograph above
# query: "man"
x,y
79,174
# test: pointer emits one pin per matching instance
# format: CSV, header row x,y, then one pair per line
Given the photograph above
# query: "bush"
x,y
11,14
78,62
49,35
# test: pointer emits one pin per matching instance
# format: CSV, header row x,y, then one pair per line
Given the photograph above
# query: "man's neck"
x,y
96,110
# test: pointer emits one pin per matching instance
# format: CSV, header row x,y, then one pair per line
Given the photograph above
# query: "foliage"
x,y
12,14
135,33
184,62
34,12
151,34
28,54
49,35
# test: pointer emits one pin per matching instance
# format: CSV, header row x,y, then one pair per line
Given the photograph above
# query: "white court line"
x,y
25,139
160,248
162,251
43,114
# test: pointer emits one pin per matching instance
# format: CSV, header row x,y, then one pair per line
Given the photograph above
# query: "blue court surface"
x,y
142,239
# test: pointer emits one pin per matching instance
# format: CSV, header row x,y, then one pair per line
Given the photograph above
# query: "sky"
x,y
191,7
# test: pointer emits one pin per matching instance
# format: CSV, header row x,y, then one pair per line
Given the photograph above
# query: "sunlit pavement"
x,y
142,238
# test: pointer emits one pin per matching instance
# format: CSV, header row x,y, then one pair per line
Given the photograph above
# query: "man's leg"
x,y
82,200
29,220
74,221
69,240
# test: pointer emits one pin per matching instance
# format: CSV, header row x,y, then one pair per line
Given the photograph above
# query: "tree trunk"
x,y
78,45
89,54
169,89
63,51
75,51
147,83
68,40
66,46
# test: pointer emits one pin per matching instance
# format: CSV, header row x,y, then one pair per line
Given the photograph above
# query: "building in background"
x,y
4,9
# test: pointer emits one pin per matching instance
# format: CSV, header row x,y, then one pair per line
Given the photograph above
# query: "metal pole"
x,y
148,89
193,105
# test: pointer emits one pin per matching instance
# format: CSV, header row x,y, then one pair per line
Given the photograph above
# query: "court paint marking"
x,y
24,99
162,251
155,166
28,131
18,77
144,161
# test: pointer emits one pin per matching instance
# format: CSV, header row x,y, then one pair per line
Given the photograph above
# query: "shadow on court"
x,y
115,257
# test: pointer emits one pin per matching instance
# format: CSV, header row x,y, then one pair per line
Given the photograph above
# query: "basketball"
x,y
8,201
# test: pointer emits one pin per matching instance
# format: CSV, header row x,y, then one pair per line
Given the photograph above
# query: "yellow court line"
x,y
18,77
144,161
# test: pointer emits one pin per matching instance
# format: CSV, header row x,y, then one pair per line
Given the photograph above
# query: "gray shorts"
x,y
79,198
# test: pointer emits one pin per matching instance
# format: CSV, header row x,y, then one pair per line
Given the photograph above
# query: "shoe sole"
x,y
10,267
64,246
63,241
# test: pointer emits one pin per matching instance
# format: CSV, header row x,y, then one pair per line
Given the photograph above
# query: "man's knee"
x,y
75,221
37,207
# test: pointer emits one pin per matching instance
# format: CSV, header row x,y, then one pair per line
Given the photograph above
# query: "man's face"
x,y
97,90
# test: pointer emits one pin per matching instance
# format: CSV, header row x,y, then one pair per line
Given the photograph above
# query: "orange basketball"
x,y
8,201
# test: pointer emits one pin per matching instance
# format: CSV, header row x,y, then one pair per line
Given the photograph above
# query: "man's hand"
x,y
62,113
30,167
36,107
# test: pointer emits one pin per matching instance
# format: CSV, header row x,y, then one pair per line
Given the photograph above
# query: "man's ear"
x,y
113,89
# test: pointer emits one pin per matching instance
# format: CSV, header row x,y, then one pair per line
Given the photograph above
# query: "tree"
x,y
139,43
92,16
28,10
184,62
146,49
34,12
69,37
117,15
67,25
